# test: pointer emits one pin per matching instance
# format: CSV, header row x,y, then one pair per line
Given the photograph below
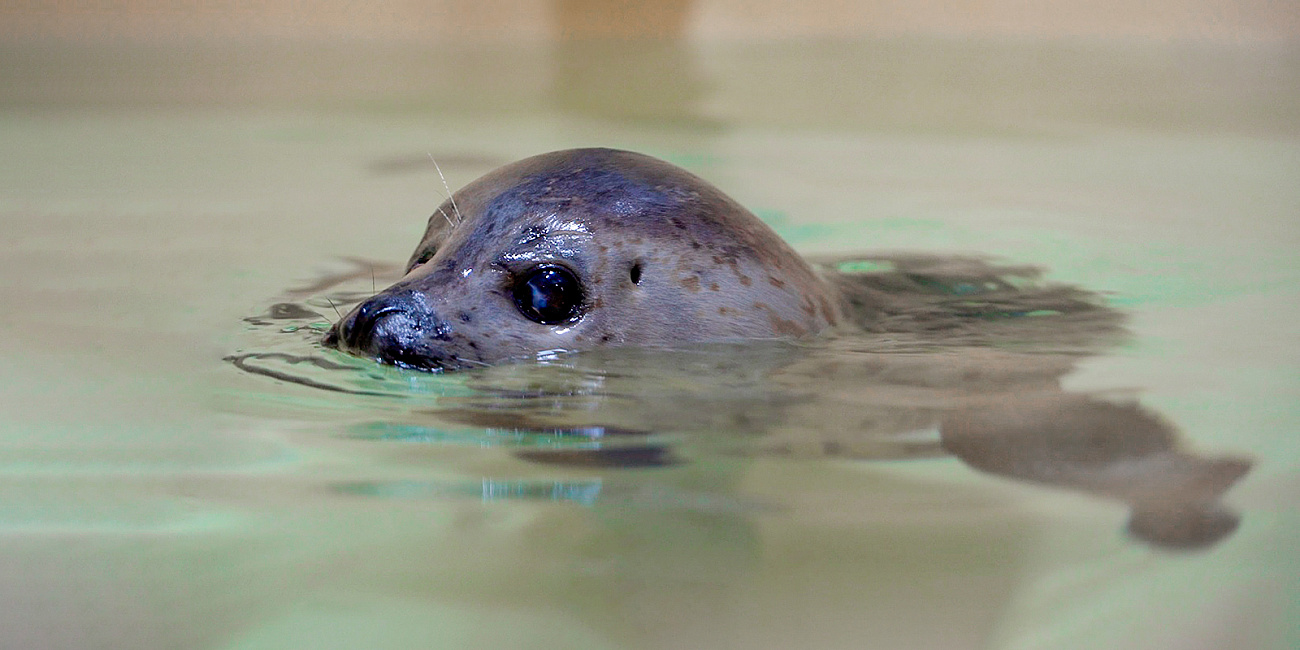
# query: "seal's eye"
x,y
549,295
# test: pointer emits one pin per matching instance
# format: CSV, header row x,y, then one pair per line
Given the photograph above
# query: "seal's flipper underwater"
x,y
1120,451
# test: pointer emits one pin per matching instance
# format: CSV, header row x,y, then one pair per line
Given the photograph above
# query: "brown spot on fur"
x,y
780,326
808,306
713,286
692,283
776,282
744,279
826,309
784,327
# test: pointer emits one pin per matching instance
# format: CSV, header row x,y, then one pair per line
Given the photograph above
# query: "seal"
x,y
584,248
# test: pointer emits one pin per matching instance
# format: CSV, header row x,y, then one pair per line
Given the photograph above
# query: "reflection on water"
x,y
966,360
581,492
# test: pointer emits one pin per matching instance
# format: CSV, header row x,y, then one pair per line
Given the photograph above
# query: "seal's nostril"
x,y
359,329
331,339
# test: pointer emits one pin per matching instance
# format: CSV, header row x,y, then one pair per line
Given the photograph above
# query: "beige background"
x,y
512,20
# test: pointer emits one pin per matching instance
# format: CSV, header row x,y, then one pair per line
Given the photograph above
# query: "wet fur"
x,y
666,259
708,269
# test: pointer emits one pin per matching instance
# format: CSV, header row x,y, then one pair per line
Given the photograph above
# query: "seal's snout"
x,y
397,328
358,330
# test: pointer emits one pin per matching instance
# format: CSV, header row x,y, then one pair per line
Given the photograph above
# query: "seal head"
x,y
583,248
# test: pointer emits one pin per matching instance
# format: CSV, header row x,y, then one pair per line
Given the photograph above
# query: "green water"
x,y
155,496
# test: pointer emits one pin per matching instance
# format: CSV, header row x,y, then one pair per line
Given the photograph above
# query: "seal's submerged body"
x,y
580,249
594,248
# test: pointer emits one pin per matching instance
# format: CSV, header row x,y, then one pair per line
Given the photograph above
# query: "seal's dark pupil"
x,y
548,294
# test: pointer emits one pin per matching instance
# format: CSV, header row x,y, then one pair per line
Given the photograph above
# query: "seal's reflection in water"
x,y
1019,427
965,360
984,389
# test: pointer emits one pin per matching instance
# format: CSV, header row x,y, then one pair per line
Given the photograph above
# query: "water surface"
x,y
157,496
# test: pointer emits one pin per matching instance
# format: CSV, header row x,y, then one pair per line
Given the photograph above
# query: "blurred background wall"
x,y
513,20
961,66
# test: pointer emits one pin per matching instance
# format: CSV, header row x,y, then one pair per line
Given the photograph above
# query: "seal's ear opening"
x,y
635,272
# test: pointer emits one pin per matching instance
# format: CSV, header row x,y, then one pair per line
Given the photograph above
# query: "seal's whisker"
x,y
455,210
336,309
441,211
444,216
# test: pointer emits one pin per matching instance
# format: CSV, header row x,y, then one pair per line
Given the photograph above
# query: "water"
x,y
158,496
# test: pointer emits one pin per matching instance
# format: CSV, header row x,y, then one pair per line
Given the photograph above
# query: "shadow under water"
x,y
959,357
